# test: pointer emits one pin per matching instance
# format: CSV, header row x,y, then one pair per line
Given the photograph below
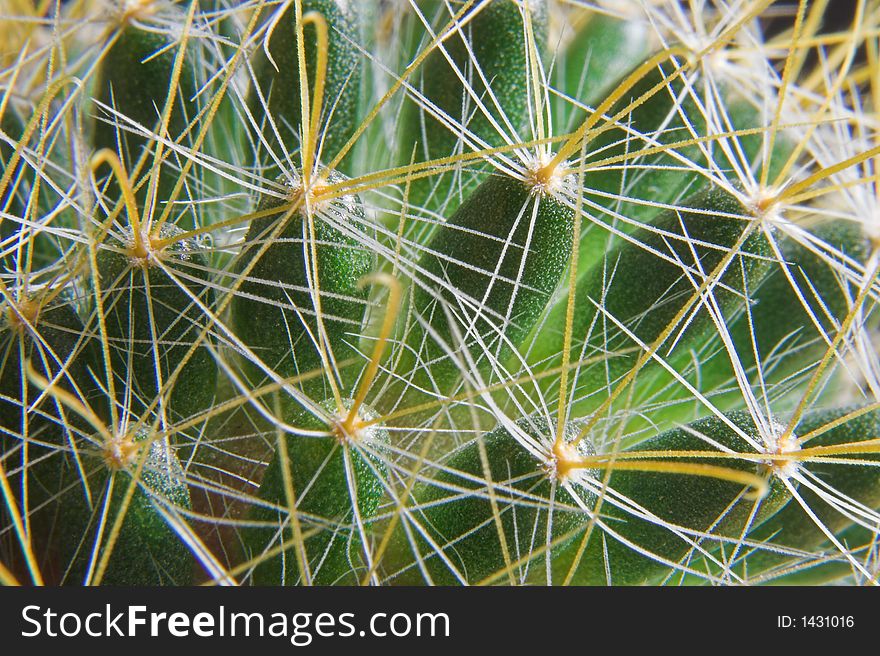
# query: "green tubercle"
x,y
856,490
787,337
479,78
495,265
279,82
151,302
51,337
332,473
134,79
275,312
147,550
650,517
649,280
540,493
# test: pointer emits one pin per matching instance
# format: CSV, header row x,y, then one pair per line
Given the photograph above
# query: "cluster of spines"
x,y
481,290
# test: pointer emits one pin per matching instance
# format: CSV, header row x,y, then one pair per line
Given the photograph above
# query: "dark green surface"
x,y
130,293
644,293
135,83
498,47
27,247
788,344
13,200
147,550
792,527
831,566
325,500
698,503
281,88
55,342
787,338
632,188
265,311
499,228
627,187
456,511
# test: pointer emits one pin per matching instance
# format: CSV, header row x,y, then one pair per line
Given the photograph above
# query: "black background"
x,y
495,620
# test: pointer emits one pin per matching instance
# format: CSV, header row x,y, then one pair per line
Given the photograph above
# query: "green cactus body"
x,y
134,80
792,527
656,221
786,338
55,345
602,52
534,506
276,313
330,476
151,317
828,565
638,186
687,502
644,293
280,87
491,47
23,245
787,341
12,201
35,436
495,264
147,551
632,187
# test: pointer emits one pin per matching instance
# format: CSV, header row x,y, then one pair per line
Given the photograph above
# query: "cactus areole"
x,y
438,292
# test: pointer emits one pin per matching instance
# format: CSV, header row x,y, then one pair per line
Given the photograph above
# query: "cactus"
x,y
404,293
